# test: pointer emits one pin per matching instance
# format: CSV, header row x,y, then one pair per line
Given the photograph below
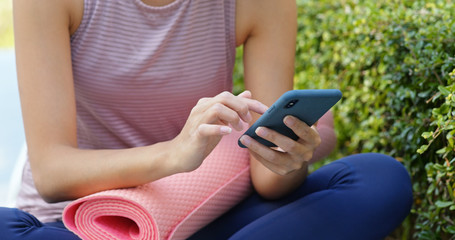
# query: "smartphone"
x,y
307,105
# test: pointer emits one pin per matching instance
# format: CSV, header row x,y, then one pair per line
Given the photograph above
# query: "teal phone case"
x,y
307,105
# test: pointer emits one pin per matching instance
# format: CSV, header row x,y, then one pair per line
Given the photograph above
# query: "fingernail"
x,y
261,132
247,92
245,140
289,121
225,130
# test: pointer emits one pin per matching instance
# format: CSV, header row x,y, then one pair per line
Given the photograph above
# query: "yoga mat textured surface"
x,y
174,207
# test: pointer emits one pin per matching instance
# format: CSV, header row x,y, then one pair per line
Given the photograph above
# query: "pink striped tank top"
x,y
138,71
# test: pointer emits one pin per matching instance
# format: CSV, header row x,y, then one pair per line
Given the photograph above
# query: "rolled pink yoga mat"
x,y
174,207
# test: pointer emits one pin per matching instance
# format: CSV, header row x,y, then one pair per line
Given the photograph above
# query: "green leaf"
x,y
442,150
422,149
443,204
426,135
444,90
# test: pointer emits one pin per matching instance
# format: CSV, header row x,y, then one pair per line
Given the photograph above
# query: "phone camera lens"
x,y
291,103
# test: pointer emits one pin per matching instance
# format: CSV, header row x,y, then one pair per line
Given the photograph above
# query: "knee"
x,y
383,188
387,177
380,164
389,168
384,175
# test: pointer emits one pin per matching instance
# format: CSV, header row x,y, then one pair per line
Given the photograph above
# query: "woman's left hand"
x,y
291,155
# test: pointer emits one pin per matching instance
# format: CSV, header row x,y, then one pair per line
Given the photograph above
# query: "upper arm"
x,y
43,60
269,48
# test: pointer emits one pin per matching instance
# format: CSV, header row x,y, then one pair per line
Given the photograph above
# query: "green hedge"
x,y
393,61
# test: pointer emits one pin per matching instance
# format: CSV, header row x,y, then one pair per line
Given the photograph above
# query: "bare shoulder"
x,y
67,12
253,16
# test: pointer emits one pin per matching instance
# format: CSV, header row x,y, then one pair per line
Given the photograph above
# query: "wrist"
x,y
177,157
161,161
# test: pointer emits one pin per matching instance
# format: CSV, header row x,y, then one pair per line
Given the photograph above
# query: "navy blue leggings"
x,y
364,196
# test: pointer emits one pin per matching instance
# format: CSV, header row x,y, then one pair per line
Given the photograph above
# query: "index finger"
x,y
256,106
241,104
253,105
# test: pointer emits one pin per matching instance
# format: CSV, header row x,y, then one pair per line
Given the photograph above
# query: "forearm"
x,y
66,173
63,172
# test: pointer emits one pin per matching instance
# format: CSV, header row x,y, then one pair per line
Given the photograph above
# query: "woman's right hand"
x,y
209,120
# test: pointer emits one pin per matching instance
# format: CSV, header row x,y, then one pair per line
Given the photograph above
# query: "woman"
x,y
121,93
